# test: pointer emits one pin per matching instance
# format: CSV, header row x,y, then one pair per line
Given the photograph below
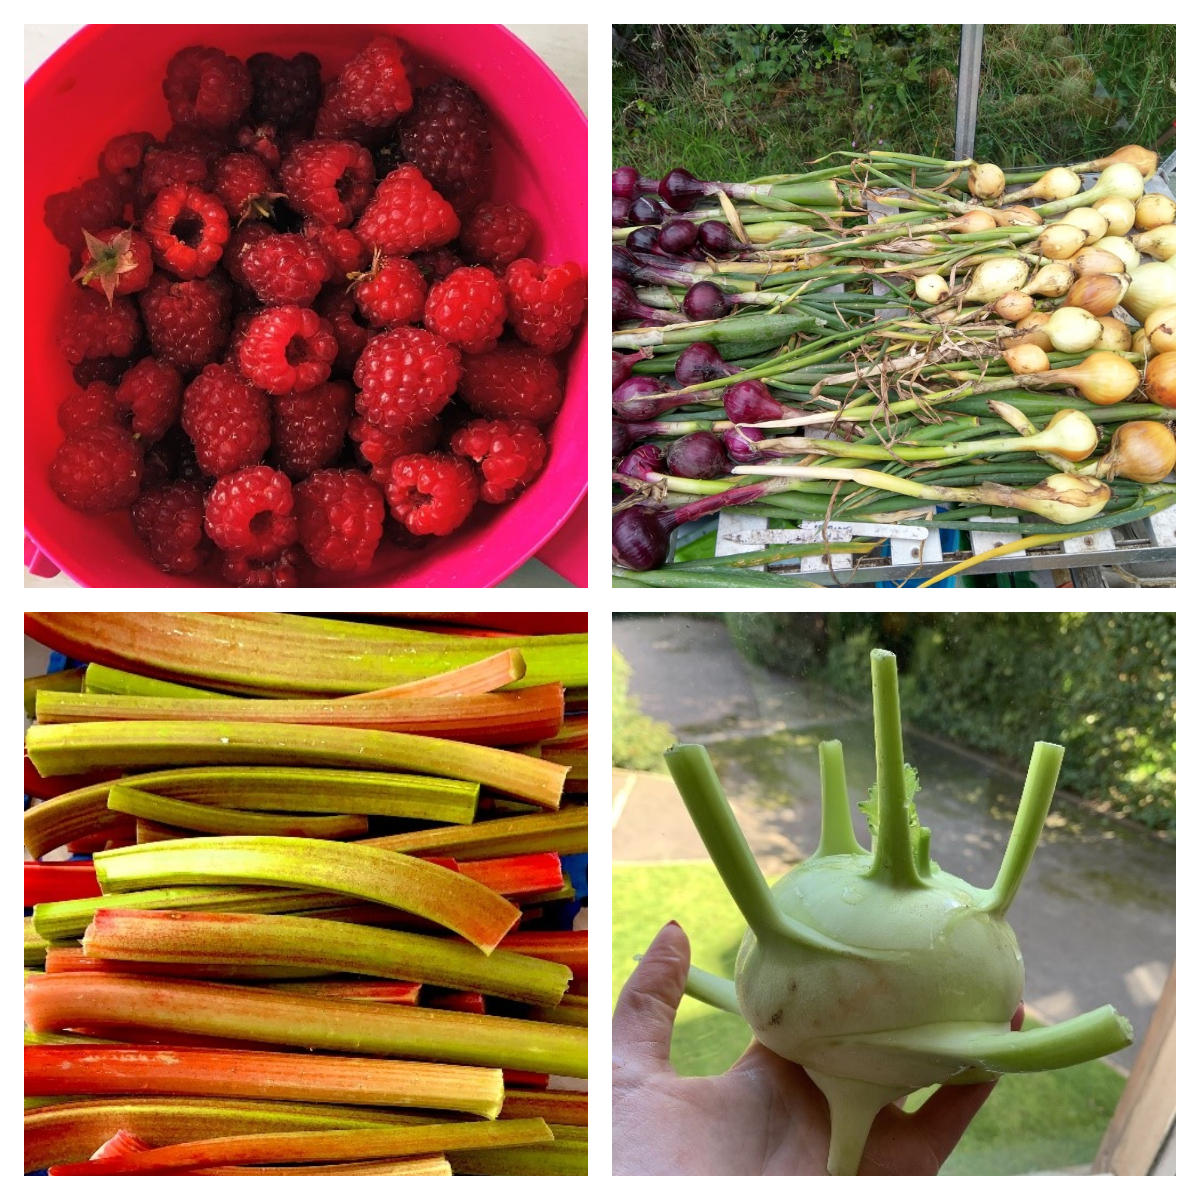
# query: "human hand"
x,y
764,1116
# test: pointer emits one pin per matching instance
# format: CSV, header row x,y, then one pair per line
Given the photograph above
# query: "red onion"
x,y
622,439
641,538
646,210
701,362
679,188
749,402
643,240
624,182
698,456
642,462
630,401
624,265
620,212
622,364
717,238
705,302
627,307
741,444
678,237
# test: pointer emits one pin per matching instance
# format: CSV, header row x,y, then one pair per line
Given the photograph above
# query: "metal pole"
x,y
969,56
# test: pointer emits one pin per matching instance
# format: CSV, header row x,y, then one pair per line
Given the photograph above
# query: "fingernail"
x,y
675,923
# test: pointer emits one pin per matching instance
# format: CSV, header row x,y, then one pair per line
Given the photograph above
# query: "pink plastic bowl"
x,y
108,80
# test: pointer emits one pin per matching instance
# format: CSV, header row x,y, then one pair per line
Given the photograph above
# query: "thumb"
x,y
645,1012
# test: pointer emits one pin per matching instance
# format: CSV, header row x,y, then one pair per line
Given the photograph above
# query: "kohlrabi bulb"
x,y
874,970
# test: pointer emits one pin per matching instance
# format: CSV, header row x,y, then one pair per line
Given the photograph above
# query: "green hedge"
x,y
638,740
1102,684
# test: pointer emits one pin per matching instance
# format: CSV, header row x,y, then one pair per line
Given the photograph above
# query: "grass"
x,y
638,740
1030,1123
735,102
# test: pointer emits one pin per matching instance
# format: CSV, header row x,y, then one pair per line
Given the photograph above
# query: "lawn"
x,y
1031,1122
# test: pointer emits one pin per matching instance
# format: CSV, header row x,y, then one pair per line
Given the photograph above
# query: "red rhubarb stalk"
x,y
59,881
518,875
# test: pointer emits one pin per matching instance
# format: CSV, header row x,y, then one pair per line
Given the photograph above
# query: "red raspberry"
x,y
263,142
187,229
437,264
249,512
509,454
94,205
116,262
162,167
341,246
432,493
391,293
329,180
96,405
512,382
379,448
97,470
100,370
496,233
341,519
310,428
207,88
228,420
446,135
208,144
121,159
467,309
339,309
287,349
244,185
89,328
250,572
370,90
285,268
247,234
170,520
545,304
287,91
187,323
406,377
406,214
153,392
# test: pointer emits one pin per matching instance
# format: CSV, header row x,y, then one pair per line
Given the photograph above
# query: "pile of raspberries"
x,y
298,324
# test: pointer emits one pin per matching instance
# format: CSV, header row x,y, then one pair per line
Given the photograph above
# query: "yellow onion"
x,y
1160,379
1152,285
1090,221
1099,294
1120,247
1057,184
1091,260
1012,306
1116,335
985,181
1160,328
1141,344
1153,210
1118,212
1159,242
1059,241
1072,330
1103,377
1120,179
1017,215
974,221
1069,434
1066,499
1026,359
931,289
1031,330
1143,451
995,276
1052,280
1145,160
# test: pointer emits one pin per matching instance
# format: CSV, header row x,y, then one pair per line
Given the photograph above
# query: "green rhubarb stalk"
x,y
288,656
57,681
553,1106
430,1164
56,1002
241,938
348,1145
100,680
67,1131
572,1010
366,872
205,818
488,675
502,719
568,1159
73,958
564,832
70,749
261,1075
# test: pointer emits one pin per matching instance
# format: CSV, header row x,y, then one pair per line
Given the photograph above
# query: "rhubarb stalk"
x,y
564,832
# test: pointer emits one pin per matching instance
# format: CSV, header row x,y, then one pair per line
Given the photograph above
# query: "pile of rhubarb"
x,y
315,918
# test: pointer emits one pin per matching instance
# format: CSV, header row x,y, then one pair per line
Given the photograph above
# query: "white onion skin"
x,y
1121,179
1152,285
1093,223
1141,344
1118,212
992,278
1158,243
1072,330
985,181
931,289
1153,210
1052,280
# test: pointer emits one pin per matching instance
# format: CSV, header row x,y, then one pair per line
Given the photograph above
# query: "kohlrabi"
x,y
874,970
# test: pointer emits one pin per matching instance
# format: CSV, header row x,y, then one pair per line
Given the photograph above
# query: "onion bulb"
x,y
1145,160
1153,210
1059,241
1057,184
1072,330
931,289
1141,344
1031,330
1017,215
995,276
1103,377
1099,294
1159,242
1067,499
1091,260
1121,248
1026,359
1143,451
1160,379
974,221
1012,306
1052,280
1118,212
1116,335
1152,286
1094,224
1160,329
1074,436
985,181
1120,179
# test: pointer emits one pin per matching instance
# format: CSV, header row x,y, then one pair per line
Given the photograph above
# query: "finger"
x,y
944,1117
645,1012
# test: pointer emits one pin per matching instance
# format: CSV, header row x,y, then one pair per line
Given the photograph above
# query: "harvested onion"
x,y
995,276
1158,243
1143,451
1031,330
1013,306
1094,224
1152,285
1072,330
1026,359
1017,215
1153,210
1098,294
1092,260
1160,379
1118,212
985,181
1116,335
1119,247
1052,280
1160,329
1057,184
1060,241
1103,377
931,289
